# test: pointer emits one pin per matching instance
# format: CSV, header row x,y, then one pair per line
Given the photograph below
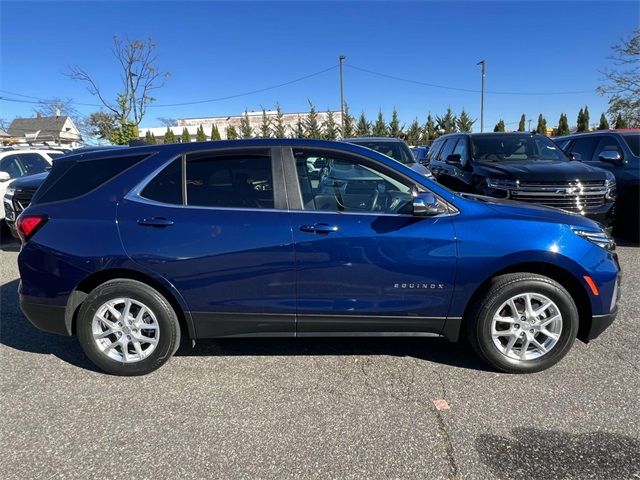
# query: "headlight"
x,y
600,238
501,184
10,191
610,184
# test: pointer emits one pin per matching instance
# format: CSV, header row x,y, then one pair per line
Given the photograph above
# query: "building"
x,y
223,123
58,130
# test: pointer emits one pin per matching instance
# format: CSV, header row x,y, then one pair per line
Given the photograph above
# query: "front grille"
x,y
575,197
21,199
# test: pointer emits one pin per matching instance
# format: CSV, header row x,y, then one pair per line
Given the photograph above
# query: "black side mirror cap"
x,y
454,159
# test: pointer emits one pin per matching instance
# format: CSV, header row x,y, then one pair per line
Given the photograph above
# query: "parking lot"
x,y
322,408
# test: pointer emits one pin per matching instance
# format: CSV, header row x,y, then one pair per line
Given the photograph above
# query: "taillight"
x,y
27,225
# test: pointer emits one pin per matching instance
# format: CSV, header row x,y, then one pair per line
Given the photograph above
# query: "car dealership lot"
x,y
321,408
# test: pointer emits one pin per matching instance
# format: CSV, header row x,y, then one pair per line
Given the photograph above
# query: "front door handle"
x,y
319,228
155,222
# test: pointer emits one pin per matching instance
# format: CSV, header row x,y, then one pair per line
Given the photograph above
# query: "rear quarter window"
x,y
71,179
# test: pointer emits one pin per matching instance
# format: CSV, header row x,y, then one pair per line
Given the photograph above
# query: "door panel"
x,y
234,267
373,271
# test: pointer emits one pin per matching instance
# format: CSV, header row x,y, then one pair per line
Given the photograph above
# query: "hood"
x,y
31,181
511,208
540,171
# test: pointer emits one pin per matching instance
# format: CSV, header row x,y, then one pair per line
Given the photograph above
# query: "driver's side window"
x,y
12,166
337,183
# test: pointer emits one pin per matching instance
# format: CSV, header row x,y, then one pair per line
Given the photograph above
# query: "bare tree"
x,y
622,80
167,122
139,75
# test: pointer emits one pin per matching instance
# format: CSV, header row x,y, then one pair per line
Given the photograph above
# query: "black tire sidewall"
x,y
164,313
534,284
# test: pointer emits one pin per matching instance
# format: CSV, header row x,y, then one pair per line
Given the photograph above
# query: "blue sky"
x,y
217,49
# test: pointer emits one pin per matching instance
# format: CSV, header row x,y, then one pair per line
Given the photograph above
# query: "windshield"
x,y
396,150
633,140
515,148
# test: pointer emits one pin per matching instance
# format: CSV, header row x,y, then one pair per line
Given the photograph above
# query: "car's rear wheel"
x,y
127,328
523,323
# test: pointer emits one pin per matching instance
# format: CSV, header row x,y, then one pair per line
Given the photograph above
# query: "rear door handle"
x,y
319,228
155,222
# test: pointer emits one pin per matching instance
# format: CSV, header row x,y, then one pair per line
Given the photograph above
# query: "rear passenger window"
x,y
230,181
166,187
69,179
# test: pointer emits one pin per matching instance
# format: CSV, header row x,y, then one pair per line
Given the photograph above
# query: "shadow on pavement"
x,y
18,333
549,454
7,242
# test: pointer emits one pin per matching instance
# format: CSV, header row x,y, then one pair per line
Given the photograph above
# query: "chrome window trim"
x,y
134,195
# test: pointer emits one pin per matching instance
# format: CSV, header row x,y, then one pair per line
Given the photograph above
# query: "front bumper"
x,y
50,318
599,323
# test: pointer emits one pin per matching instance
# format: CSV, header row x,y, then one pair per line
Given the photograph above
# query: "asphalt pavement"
x,y
319,408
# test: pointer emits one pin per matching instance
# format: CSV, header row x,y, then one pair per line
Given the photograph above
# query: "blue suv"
x,y
132,251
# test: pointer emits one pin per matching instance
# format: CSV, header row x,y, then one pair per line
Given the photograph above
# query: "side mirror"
x,y
575,156
320,163
454,159
425,204
4,177
610,156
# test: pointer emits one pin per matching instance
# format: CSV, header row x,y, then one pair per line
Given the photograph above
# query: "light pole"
x,y
482,62
342,58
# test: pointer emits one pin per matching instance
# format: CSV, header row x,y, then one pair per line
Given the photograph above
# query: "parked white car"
x,y
18,163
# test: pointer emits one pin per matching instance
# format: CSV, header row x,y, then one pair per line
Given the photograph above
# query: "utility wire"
x,y
470,90
37,100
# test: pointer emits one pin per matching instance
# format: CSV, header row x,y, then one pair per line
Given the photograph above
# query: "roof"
x,y
619,131
47,126
372,139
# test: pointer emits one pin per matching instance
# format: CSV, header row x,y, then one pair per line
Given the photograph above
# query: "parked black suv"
x,y
617,151
523,166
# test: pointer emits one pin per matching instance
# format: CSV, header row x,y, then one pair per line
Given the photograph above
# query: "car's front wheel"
x,y
126,327
523,323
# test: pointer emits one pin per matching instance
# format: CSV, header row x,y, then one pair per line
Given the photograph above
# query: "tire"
x,y
152,324
491,339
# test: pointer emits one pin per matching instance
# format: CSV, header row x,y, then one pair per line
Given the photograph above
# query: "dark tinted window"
x,y
447,149
462,150
633,140
230,181
166,187
396,150
69,179
33,163
608,144
435,149
514,148
585,147
11,165
337,183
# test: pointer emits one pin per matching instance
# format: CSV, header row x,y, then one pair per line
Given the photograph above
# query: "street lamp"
x,y
342,58
482,62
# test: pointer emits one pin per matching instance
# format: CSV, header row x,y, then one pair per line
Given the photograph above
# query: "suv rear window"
x,y
71,179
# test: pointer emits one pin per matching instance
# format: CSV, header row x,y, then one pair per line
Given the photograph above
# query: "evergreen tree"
x,y
380,126
331,129
148,138
153,139
245,126
604,124
215,133
563,125
298,130
620,122
349,123
169,136
185,137
232,133
522,124
413,133
587,126
200,135
447,122
542,125
429,131
464,122
265,125
312,126
279,128
395,130
580,122
363,129
499,126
